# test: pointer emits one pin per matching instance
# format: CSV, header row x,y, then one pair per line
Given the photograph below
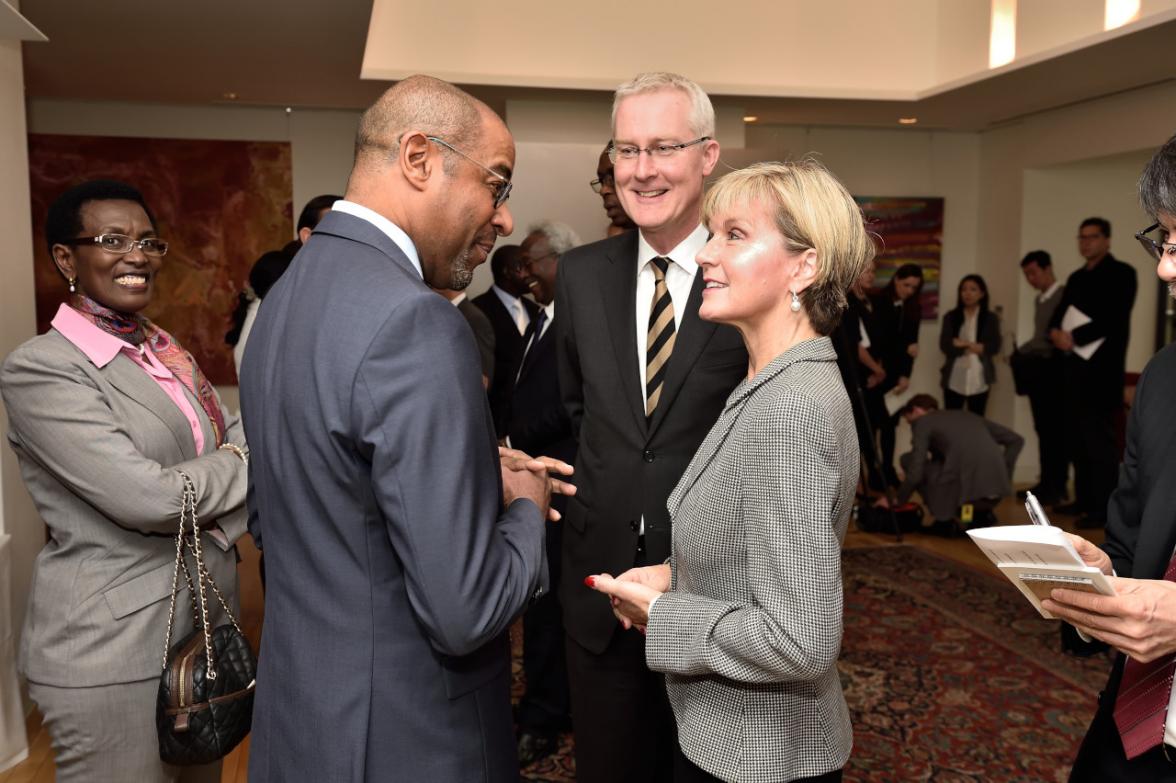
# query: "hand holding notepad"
x,y
1039,558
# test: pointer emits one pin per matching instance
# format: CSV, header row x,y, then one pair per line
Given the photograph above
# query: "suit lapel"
x,y
692,338
706,453
134,382
620,307
531,357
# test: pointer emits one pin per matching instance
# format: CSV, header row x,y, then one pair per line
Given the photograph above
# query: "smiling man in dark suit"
x,y
398,549
643,379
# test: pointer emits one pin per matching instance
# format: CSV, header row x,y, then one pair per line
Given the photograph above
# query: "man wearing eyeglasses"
x,y
605,185
1091,326
643,379
398,547
1133,735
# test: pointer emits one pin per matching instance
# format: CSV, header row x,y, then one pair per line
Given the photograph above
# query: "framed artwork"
x,y
220,205
909,231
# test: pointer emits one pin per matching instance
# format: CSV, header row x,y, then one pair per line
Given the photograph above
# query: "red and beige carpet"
x,y
950,675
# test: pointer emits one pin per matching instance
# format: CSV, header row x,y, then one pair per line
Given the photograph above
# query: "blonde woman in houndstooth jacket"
x,y
745,618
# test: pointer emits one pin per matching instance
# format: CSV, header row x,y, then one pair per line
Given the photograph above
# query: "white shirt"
x,y
514,306
455,301
967,372
679,281
1047,293
394,232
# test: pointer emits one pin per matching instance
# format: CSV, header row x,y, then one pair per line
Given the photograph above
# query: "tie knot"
x,y
660,265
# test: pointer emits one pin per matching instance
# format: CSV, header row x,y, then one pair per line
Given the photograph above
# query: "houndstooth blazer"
x,y
749,634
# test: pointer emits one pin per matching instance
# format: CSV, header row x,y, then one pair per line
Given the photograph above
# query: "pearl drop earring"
x,y
73,289
795,303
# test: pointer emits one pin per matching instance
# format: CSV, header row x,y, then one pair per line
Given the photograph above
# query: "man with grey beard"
x,y
399,549
1134,730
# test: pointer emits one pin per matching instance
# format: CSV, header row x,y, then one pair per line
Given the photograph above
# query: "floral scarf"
x,y
136,330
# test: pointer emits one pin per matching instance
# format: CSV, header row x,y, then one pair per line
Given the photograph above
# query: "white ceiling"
x,y
309,53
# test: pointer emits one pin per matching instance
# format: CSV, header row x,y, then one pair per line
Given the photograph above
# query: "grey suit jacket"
x,y
957,457
749,634
392,570
100,450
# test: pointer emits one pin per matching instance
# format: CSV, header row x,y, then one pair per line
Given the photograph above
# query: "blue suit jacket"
x,y
392,570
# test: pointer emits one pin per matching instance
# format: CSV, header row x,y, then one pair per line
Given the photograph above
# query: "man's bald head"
x,y
418,103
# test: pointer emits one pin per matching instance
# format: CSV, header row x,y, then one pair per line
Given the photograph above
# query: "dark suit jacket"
x,y
483,334
626,467
392,571
508,350
1106,294
987,334
1141,515
539,422
892,329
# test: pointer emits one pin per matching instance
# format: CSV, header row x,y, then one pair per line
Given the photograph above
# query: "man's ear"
x,y
419,161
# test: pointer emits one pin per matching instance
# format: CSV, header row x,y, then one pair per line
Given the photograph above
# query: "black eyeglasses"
x,y
122,244
632,152
501,188
1155,249
599,184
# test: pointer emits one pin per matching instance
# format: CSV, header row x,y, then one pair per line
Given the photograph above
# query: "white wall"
x,y
18,517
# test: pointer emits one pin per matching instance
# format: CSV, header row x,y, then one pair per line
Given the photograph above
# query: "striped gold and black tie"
x,y
659,340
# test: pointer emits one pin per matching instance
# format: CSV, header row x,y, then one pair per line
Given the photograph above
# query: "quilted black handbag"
x,y
205,702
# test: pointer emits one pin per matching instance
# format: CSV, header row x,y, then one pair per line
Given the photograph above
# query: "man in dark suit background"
x,y
398,550
1132,735
510,314
539,424
481,327
1103,290
643,379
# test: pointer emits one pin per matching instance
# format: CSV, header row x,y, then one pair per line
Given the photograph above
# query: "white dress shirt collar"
x,y
682,255
1053,289
514,305
455,301
394,232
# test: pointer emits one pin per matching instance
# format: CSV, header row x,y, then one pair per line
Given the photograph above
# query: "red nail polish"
x,y
590,581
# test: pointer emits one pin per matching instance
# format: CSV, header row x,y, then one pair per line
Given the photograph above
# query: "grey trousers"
x,y
106,734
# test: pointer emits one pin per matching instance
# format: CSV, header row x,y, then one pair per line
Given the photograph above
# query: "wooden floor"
x,y
38,768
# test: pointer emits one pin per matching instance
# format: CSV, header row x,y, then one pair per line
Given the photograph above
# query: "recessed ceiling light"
x,y
907,120
230,96
751,118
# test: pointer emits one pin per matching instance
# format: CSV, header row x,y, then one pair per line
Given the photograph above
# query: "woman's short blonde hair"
x,y
812,209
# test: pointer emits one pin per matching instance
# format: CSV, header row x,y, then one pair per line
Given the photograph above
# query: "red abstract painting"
x,y
911,232
220,205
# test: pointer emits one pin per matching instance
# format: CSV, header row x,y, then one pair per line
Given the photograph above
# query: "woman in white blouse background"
x,y
969,339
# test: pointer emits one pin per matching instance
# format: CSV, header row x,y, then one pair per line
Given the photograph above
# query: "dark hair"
x,y
924,401
1102,224
1157,184
979,281
265,272
903,272
1039,257
503,256
64,218
312,212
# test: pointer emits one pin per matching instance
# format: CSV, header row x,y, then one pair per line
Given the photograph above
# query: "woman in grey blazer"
x,y
745,619
104,411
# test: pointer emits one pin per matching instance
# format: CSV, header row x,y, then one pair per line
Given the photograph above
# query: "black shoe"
x,y
536,745
1072,509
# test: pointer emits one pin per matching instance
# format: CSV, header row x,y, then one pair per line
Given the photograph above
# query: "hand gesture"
x,y
632,592
514,461
1139,620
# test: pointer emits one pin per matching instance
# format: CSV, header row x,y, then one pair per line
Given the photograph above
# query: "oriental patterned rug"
x,y
950,675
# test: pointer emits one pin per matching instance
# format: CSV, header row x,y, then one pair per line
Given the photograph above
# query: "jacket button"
x,y
648,455
633,525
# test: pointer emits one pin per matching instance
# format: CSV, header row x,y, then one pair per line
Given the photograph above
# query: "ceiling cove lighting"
x,y
751,118
907,120
1002,36
1119,13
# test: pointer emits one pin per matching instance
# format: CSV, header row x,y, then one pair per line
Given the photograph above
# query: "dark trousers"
x,y
975,403
1101,758
624,728
1049,421
883,424
1090,422
686,771
544,707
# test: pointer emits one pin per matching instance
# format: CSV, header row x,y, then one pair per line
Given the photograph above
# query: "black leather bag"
x,y
204,706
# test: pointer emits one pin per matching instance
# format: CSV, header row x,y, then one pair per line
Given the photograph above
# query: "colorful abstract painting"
x,y
911,232
220,205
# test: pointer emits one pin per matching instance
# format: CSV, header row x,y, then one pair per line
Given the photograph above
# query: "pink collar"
x,y
98,346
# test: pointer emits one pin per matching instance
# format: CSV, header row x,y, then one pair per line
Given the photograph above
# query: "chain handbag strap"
x,y
196,592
